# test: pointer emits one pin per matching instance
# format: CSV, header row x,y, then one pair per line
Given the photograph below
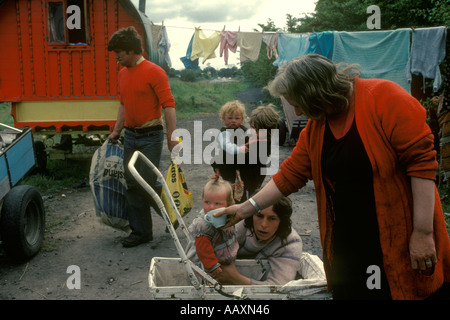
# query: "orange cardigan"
x,y
392,126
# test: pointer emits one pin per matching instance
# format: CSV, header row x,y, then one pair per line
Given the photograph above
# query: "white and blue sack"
x,y
108,185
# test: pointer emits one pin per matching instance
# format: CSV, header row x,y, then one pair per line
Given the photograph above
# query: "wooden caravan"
x,y
55,68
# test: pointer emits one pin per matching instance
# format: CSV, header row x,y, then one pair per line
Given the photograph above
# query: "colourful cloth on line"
x,y
271,39
427,52
188,63
164,46
321,43
228,41
291,46
380,54
249,44
203,46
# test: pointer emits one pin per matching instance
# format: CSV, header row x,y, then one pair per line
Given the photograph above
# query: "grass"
x,y
5,114
61,176
203,96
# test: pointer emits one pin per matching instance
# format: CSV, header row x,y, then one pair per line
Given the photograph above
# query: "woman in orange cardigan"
x,y
370,154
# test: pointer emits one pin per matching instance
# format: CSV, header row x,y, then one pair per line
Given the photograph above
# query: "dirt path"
x,y
74,237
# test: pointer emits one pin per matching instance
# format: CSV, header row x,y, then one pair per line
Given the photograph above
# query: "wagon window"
x,y
56,22
77,25
68,22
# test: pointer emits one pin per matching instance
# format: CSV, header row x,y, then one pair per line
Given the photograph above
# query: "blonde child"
x,y
213,246
233,117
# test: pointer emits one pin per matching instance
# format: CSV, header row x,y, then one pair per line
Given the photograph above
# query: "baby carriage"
x,y
180,278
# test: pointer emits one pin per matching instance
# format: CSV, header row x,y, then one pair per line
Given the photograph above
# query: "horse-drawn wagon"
x,y
57,73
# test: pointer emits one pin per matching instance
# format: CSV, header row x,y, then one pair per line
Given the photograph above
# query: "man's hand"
x,y
171,143
114,136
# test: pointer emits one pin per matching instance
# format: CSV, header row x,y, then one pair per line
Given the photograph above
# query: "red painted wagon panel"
x,y
38,66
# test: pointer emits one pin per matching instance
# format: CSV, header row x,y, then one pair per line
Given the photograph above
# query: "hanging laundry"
x,y
249,44
291,46
164,46
271,39
427,52
156,36
321,43
203,46
188,63
380,54
228,41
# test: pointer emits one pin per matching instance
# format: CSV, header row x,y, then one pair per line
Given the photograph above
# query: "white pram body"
x,y
180,278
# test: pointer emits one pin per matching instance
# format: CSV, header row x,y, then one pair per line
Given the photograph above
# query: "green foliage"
x,y
191,75
203,96
261,71
435,12
444,192
61,175
351,15
5,114
198,74
270,26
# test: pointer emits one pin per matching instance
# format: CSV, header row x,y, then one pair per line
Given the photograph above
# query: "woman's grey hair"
x,y
316,84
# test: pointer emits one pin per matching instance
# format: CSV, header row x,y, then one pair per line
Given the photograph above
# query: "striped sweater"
x,y
283,257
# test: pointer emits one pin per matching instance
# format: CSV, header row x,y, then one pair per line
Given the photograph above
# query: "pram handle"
x,y
188,264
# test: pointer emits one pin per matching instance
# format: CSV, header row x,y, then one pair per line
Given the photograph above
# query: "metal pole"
x,y
142,6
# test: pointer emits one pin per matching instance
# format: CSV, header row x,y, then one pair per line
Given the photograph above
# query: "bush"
x,y
191,75
203,96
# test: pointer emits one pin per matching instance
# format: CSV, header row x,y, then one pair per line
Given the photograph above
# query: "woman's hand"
x,y
233,217
230,275
422,250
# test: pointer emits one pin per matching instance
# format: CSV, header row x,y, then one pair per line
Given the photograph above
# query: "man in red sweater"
x,y
144,93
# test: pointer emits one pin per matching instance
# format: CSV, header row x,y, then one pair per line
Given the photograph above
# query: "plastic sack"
x,y
108,185
182,197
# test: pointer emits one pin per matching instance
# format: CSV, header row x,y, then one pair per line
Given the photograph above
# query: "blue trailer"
x,y
22,215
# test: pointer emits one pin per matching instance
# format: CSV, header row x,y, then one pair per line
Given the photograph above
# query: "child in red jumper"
x,y
213,246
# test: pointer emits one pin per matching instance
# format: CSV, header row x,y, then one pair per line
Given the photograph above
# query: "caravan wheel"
x,y
22,222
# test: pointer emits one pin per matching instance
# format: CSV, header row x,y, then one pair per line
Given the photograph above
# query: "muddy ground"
x,y
75,237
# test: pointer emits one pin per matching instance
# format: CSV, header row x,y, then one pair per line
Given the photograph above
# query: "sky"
x,y
182,16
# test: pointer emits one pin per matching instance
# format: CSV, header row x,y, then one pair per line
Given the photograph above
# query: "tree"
x,y
210,71
190,75
351,15
270,26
